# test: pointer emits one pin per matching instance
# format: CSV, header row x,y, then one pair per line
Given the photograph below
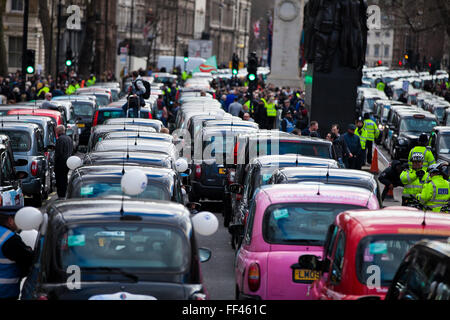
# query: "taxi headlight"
x,y
403,142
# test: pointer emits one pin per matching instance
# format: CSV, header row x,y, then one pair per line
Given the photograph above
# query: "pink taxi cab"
x,y
285,220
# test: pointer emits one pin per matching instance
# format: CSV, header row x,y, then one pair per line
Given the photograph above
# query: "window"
x,y
377,34
20,140
368,49
338,261
7,170
387,50
15,52
388,34
17,5
251,219
376,50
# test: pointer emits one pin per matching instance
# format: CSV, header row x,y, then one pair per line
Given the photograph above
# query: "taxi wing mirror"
x,y
204,254
236,188
310,262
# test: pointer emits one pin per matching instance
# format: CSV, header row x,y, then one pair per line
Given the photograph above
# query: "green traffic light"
x,y
68,63
186,59
235,72
30,69
251,77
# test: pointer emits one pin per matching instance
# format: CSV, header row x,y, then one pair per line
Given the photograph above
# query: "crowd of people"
x,y
13,89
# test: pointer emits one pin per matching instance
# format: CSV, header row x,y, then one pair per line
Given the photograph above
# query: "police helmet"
x,y
417,157
423,138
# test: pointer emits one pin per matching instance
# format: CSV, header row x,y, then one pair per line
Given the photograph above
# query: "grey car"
x,y
27,143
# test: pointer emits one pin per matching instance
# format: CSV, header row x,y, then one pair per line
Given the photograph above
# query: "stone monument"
x,y
287,29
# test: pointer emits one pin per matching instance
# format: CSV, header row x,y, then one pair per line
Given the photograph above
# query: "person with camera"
x,y
136,94
413,179
390,177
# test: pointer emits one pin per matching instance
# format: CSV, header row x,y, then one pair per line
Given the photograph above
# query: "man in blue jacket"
x,y
354,146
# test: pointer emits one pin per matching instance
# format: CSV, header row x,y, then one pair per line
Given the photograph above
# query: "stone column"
x,y
287,28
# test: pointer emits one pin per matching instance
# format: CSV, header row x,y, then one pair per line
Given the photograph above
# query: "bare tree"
x,y
86,54
44,17
3,62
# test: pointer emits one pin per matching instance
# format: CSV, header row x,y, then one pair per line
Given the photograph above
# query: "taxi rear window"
x,y
123,246
301,223
294,147
20,140
104,115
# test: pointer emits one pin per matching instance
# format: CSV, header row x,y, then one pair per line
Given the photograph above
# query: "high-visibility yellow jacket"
x,y
427,154
44,89
435,194
70,90
372,129
412,184
362,134
270,108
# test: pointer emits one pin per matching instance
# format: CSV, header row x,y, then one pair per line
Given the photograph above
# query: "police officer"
x,y
435,193
362,134
427,154
413,179
16,257
372,133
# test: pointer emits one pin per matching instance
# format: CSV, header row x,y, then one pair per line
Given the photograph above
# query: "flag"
x,y
209,65
256,29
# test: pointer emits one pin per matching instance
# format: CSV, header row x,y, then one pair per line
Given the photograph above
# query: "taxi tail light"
x,y
198,171
1,201
236,147
238,197
47,155
254,277
34,168
94,123
198,296
42,297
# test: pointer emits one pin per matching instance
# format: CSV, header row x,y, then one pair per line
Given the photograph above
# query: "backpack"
x,y
148,88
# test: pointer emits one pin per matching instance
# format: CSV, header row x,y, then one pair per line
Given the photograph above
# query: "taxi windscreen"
x,y
83,109
123,246
417,125
385,252
301,223
111,187
20,140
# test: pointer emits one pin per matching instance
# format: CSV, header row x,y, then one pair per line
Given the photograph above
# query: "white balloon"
x,y
134,182
74,162
205,223
29,237
181,165
220,115
28,218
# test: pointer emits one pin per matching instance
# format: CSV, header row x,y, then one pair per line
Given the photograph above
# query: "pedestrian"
x,y
63,151
390,177
288,124
136,92
354,145
16,258
312,131
247,117
161,112
338,148
47,104
235,108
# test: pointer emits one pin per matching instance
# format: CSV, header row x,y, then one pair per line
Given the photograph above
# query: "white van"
x,y
167,62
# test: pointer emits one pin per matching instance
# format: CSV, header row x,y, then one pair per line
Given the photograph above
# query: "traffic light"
x,y
69,57
235,64
252,69
29,61
186,56
400,63
379,63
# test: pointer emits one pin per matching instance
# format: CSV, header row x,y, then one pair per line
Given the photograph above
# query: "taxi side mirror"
x,y
310,262
204,254
236,188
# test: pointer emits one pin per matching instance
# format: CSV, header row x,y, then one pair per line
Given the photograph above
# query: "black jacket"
x,y
390,175
63,151
16,250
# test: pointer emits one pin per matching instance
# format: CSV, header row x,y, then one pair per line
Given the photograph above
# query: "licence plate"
x,y
222,171
305,275
81,125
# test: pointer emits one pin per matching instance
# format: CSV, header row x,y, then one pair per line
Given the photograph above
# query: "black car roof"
x,y
440,246
275,160
89,210
105,170
131,154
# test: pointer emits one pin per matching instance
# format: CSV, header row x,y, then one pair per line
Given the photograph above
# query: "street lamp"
x,y
221,6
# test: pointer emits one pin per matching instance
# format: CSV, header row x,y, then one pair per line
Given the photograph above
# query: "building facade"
x,y
13,35
380,45
228,26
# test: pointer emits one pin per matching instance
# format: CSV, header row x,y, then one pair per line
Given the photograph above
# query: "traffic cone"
x,y
390,194
374,166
